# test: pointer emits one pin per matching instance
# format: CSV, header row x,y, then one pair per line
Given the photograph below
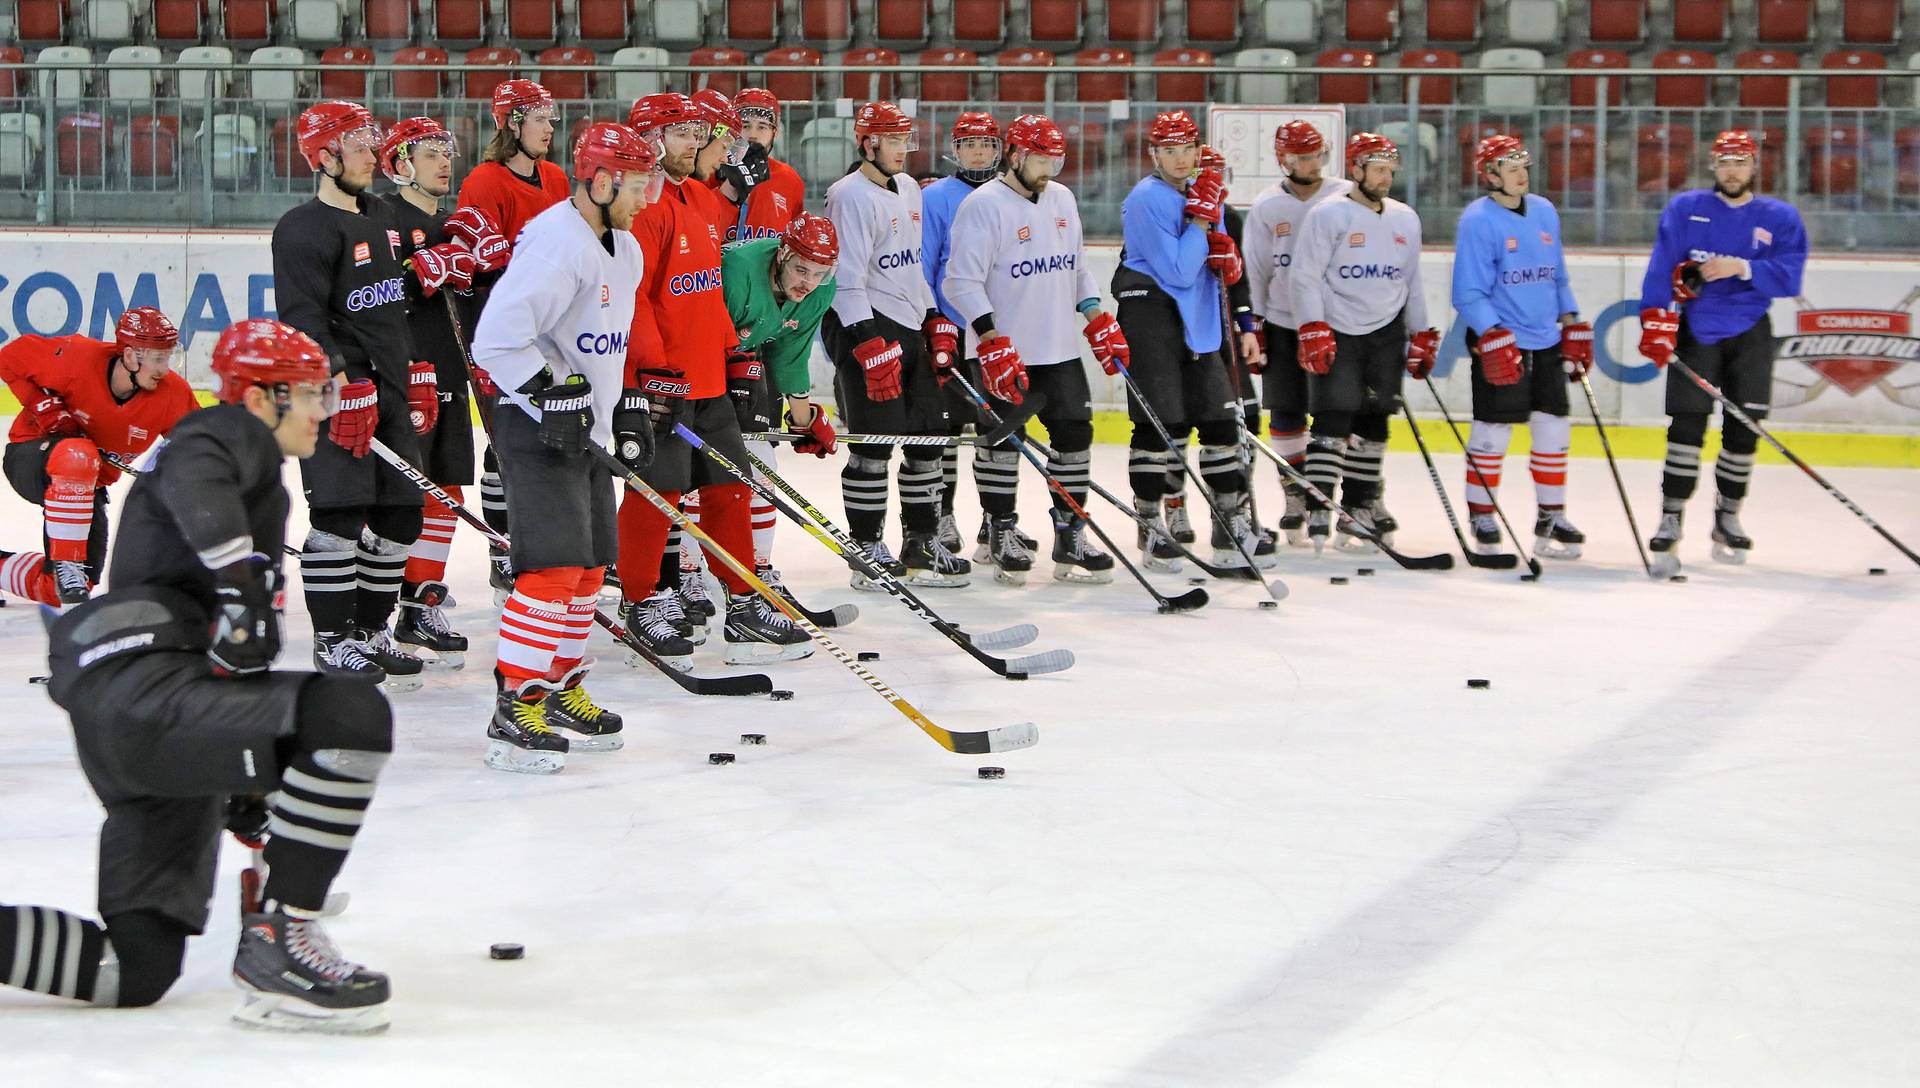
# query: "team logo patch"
x,y
916,216
1853,349
1025,234
790,325
683,245
780,203
136,434
362,254
606,296
1513,245
1356,240
1546,238
893,224
1282,229
1060,222
1399,239
393,244
1762,237
419,237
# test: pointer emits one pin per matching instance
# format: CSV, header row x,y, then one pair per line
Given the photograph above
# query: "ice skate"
x,y
983,554
403,669
340,653
1177,521
499,575
294,979
589,726
880,556
1157,549
421,625
1384,523
1665,543
1486,533
697,607
947,532
1074,560
758,633
648,623
518,737
1009,551
1319,528
70,581
673,608
1348,542
1239,528
1730,542
1293,520
1555,537
929,563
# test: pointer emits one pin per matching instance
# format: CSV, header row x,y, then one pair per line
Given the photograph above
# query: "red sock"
x,y
726,516
643,539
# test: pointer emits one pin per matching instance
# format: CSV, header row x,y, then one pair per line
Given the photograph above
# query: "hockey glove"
x,y
51,416
423,396
246,617
1499,356
1205,193
483,383
565,412
1576,349
448,264
1006,375
1423,350
746,384
743,176
351,427
477,230
1316,347
247,818
1659,335
1254,352
879,360
820,438
943,344
633,441
1687,281
1224,257
667,391
1109,344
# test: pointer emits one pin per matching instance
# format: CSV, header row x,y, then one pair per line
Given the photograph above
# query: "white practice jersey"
x,y
565,305
879,269
1272,227
1024,262
1356,269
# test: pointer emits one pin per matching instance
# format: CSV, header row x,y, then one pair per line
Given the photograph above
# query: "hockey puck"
x,y
869,655
993,772
780,695
753,738
1196,581
1269,604
1677,578
1876,570
1479,685
1337,580
1365,572
719,759
507,951
1529,577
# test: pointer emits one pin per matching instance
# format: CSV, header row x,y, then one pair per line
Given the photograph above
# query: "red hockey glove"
x,y
943,345
820,437
879,360
1576,349
483,383
1205,193
1224,257
351,427
1687,281
1499,357
1108,342
423,396
1006,374
1316,347
1423,350
476,230
1659,335
448,264
666,392
52,417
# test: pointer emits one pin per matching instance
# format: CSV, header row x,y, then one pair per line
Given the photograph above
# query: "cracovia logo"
x,y
1852,348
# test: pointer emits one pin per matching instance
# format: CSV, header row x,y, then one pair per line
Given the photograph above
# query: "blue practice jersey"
x,y
1162,244
1699,226
938,203
1509,270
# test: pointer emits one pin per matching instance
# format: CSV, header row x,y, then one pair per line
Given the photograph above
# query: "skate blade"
x,y
1545,547
502,756
500,597
1009,577
276,1012
697,636
1664,564
599,742
1067,572
1354,545
1733,557
935,580
865,584
763,653
437,661
982,556
336,904
677,664
1165,566
400,685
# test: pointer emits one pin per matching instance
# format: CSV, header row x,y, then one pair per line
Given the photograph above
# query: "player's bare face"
x,y
1374,180
432,168
1175,164
536,131
889,151
799,277
147,366
635,192
297,418
355,165
1304,169
1034,171
759,130
1733,177
682,143
1512,178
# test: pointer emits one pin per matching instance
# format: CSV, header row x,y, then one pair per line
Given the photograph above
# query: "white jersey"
x,y
1272,228
1024,262
1356,269
565,305
879,268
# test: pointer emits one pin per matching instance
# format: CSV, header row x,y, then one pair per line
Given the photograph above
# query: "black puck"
x,y
1479,684
1529,577
1365,572
1678,578
780,695
992,772
506,951
1337,580
1269,604
753,738
1876,570
869,655
719,758
1196,581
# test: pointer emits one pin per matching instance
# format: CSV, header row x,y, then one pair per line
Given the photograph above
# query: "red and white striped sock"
x,y
1552,435
427,558
24,574
1486,452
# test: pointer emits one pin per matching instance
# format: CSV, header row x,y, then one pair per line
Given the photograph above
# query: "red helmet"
x,y
811,237
1037,133
263,352
321,126
1298,138
609,145
881,118
1211,159
717,110
401,138
760,100
1499,148
1366,147
1734,143
976,126
1173,128
660,110
518,94
145,327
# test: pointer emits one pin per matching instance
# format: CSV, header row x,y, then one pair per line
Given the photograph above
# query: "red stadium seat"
x,y
878,82
480,84
1700,21
1571,154
1470,137
1435,90
1582,90
826,23
562,152
1135,22
83,141
287,162
1617,21
1663,154
1213,22
1853,92
1182,88
945,87
1354,90
1869,22
1373,22
533,22
792,86
346,74
903,22
247,22
41,22
980,21
13,81
603,23
1135,151
1765,92
1055,20
177,23
1103,86
422,85
1453,20
727,83
566,72
1086,154
1834,156
1906,160
459,23
924,160
153,147
1025,87
753,22
1783,22
1681,92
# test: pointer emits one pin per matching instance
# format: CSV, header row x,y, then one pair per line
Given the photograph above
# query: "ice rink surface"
x,y
1677,842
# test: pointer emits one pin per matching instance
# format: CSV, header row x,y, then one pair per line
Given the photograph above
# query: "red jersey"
x,y
770,206
75,369
680,318
508,197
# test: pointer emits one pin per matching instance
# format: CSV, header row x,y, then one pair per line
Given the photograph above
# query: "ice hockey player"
x,y
1725,254
338,277
1356,293
1017,273
774,193
886,340
1524,332
417,157
553,336
175,707
1272,231
677,354
81,398
1168,287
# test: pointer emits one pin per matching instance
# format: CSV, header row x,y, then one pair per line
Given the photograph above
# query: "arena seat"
x,y
903,23
1582,90
1423,140
1354,89
247,22
177,23
753,22
426,86
459,24
1536,22
1617,21
1783,22
1700,21
1182,87
1026,87
1134,22
1374,23
479,84
679,24
1853,92
826,147
1291,22
566,71
1661,157
792,86
878,81
1453,20
40,21
19,145
1213,22
207,83
315,22
153,147
346,76
980,22
1836,155
1906,159
1263,87
1682,92
82,141
827,24
59,83
629,85
727,83
945,86
133,75
1056,21
388,22
1435,89
13,81
111,22
1765,92
1086,155
268,84
602,24
1869,22
930,147
1513,92
1096,87
285,154
1570,155
236,148
534,24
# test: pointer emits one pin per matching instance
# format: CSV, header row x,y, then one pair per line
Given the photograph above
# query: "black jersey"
x,y
337,277
427,317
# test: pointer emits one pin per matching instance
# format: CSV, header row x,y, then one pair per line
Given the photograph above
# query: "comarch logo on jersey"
x,y
901,259
1372,272
600,343
377,294
1040,266
1545,273
692,283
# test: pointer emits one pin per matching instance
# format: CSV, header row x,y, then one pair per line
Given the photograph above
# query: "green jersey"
x,y
781,332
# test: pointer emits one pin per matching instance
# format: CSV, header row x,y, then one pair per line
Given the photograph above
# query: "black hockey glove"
x,y
246,621
746,384
247,819
633,441
743,176
566,410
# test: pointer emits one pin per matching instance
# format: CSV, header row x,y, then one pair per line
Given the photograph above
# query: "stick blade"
x,y
1278,590
840,615
1503,561
1044,662
1006,638
1189,601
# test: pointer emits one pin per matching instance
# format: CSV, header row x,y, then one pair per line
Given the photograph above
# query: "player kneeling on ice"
x,y
175,708
1524,332
81,398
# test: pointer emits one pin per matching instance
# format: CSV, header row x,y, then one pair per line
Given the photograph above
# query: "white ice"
x,y
1677,842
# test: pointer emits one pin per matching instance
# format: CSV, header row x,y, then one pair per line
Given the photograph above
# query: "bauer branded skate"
x,y
1555,537
294,979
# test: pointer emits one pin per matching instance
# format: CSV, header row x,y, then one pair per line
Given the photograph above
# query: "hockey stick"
x,y
1474,473
747,684
1727,405
1185,602
856,557
1236,366
1606,446
1276,589
1351,525
1015,421
1500,561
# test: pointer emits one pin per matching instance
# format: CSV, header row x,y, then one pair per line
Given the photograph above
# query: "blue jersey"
x,y
1699,226
1161,243
938,203
1509,270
